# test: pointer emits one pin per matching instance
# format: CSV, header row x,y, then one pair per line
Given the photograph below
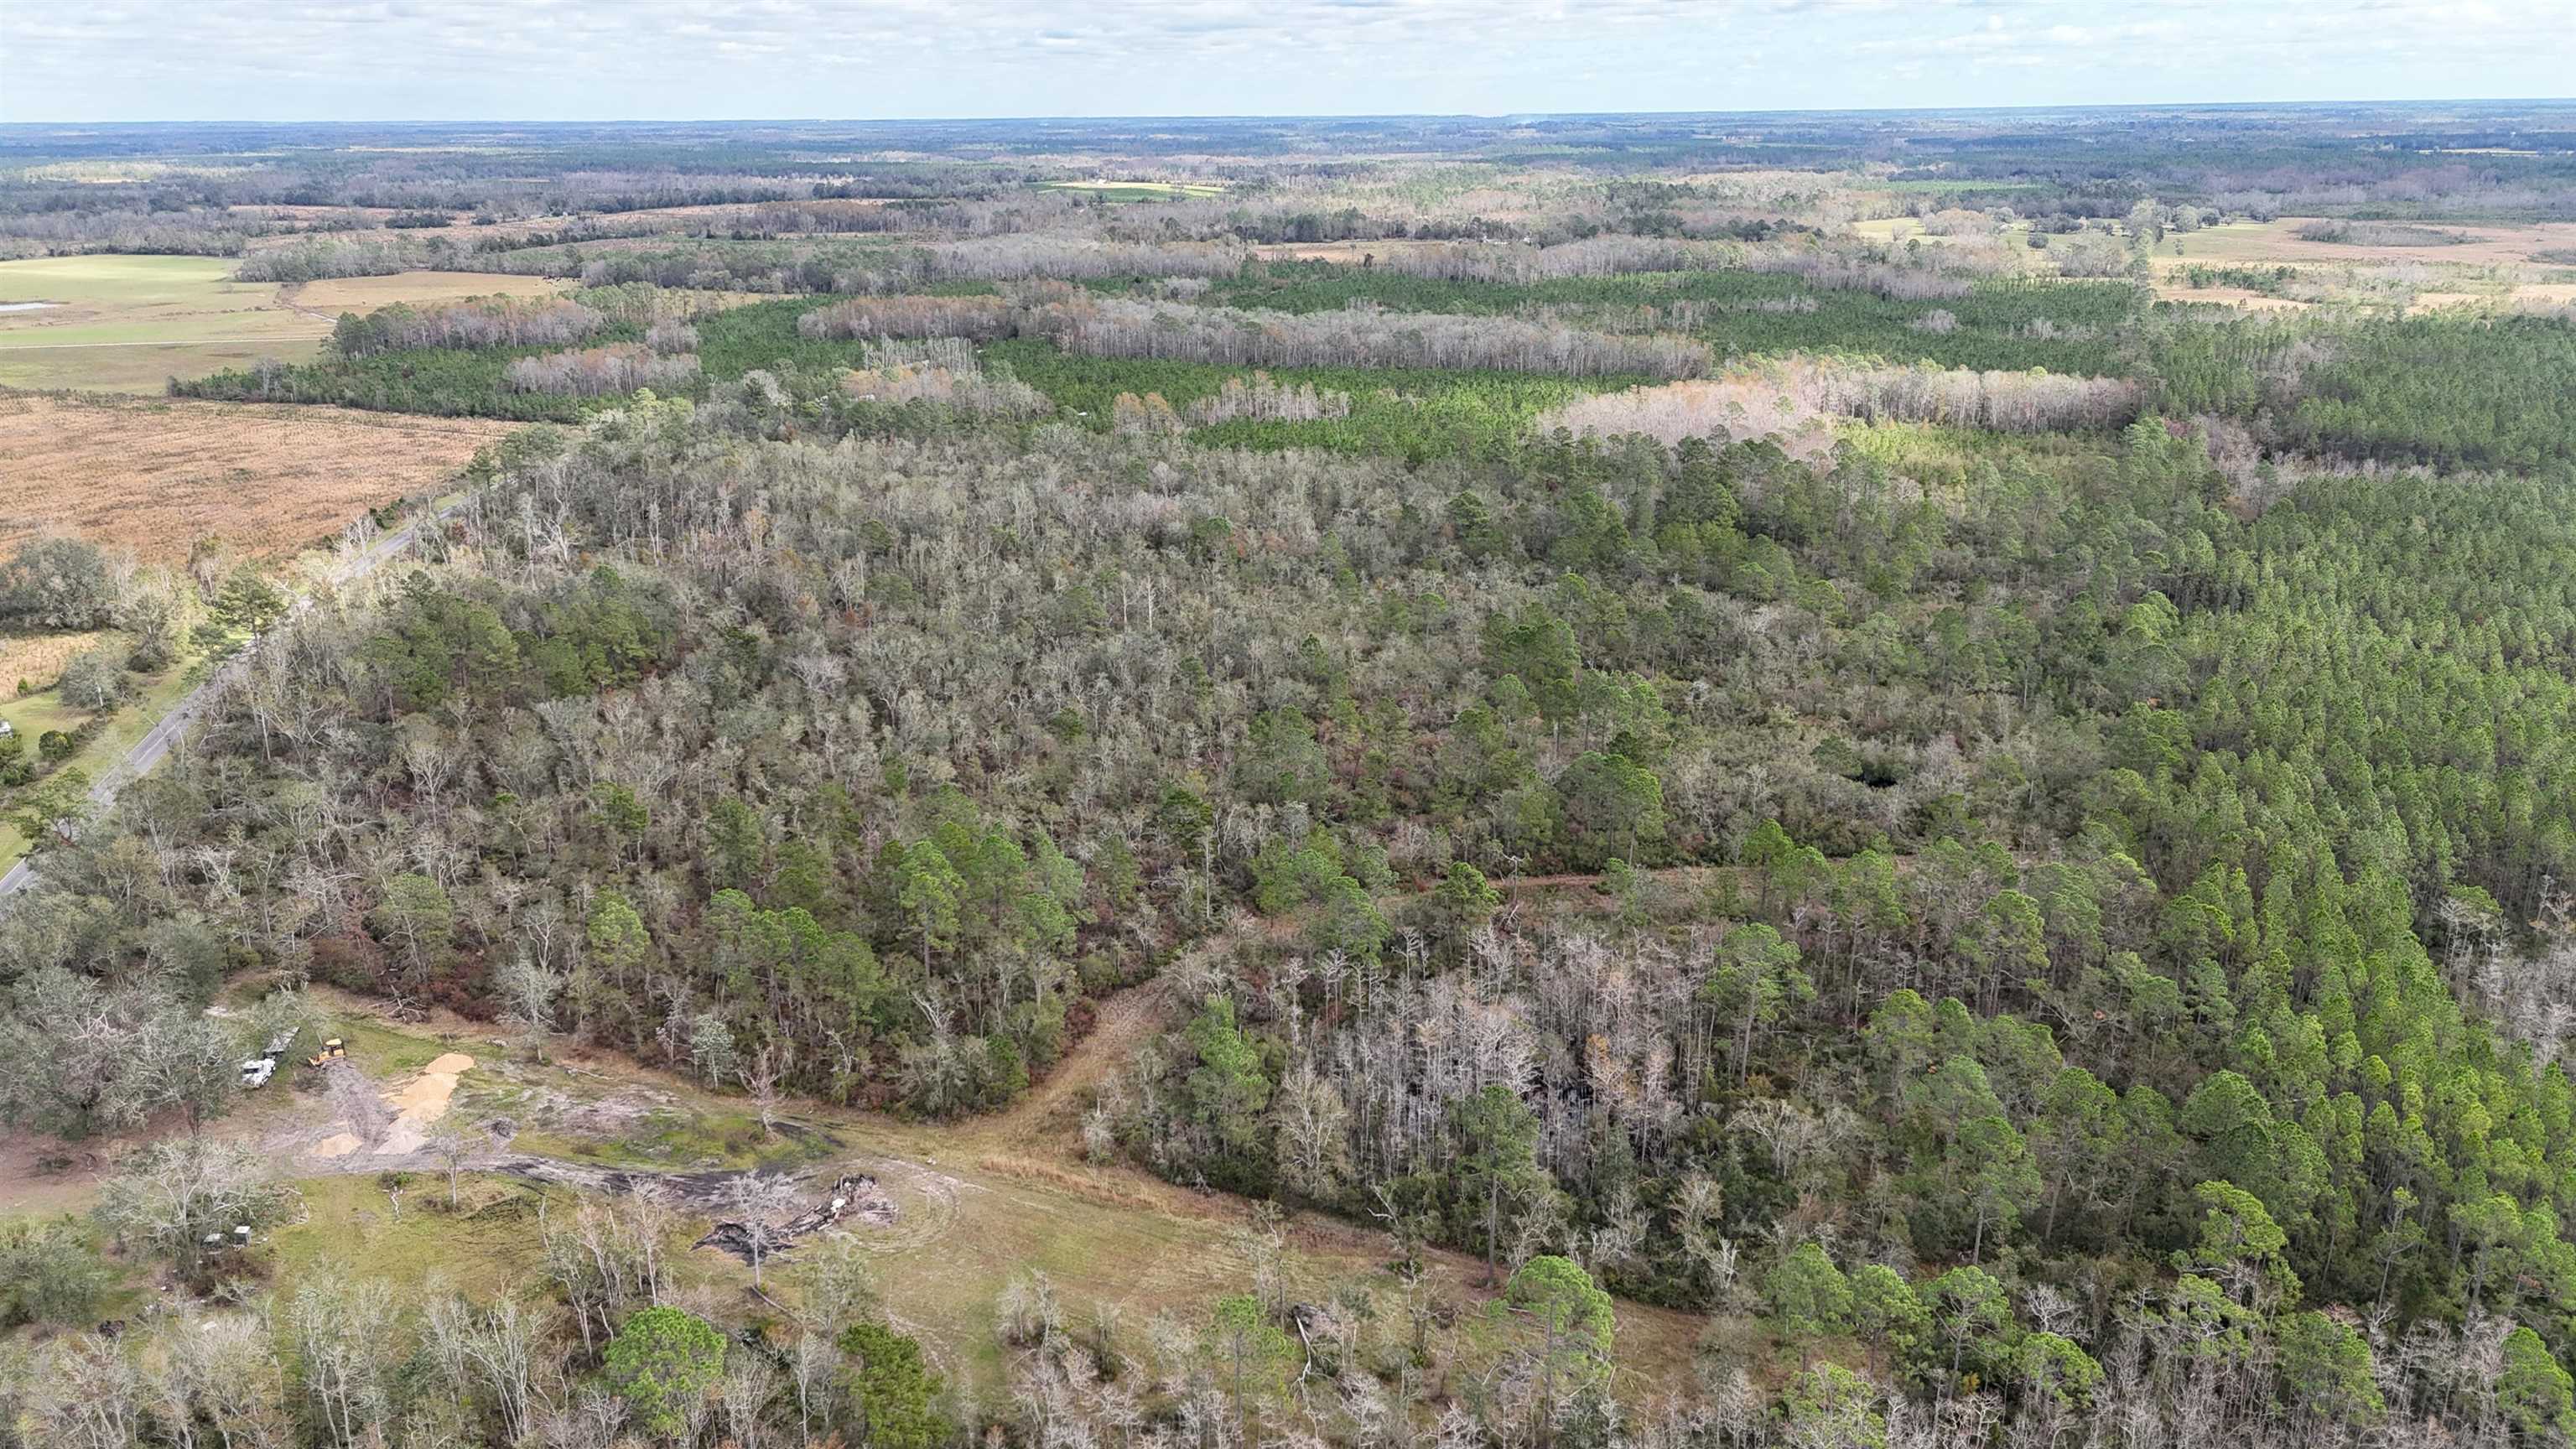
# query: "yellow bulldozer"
x,y
332,1051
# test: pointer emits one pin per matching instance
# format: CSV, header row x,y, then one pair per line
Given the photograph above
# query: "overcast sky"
x,y
97,60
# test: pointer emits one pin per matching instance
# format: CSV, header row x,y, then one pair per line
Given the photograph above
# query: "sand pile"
x,y
421,1102
397,1125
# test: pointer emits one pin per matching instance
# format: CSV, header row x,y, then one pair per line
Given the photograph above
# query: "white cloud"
x,y
653,59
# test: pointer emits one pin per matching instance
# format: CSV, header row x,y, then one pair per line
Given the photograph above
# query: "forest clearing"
x,y
971,1211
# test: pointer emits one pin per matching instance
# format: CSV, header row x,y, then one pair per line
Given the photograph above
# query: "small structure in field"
x,y
255,1071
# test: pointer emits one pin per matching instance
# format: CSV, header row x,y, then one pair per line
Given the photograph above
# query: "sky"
x,y
540,60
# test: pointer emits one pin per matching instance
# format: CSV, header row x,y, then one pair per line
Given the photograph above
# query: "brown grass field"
x,y
335,295
2251,301
2247,242
39,658
155,476
2527,294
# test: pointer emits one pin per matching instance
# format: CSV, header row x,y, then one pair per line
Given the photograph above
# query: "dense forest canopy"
x,y
1769,722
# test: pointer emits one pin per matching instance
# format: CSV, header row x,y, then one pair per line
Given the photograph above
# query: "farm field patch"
x,y
2279,241
334,295
130,323
1136,190
156,476
1901,228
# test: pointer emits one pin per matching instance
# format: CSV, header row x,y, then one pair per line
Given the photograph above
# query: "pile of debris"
x,y
855,1200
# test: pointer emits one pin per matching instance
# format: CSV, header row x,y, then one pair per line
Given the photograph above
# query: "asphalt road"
x,y
166,731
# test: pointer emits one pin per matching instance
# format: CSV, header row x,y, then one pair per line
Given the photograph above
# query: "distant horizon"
x,y
1107,117
280,62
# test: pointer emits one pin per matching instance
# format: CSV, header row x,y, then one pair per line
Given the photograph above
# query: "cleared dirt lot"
x,y
157,475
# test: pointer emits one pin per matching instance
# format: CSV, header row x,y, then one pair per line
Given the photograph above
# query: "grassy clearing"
x,y
678,1136
140,368
1890,229
978,1202
386,1052
1947,461
488,1246
33,714
130,323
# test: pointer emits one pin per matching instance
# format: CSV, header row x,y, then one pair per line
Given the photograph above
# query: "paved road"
x,y
165,732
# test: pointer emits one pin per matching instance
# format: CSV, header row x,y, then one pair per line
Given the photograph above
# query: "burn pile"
x,y
854,1201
